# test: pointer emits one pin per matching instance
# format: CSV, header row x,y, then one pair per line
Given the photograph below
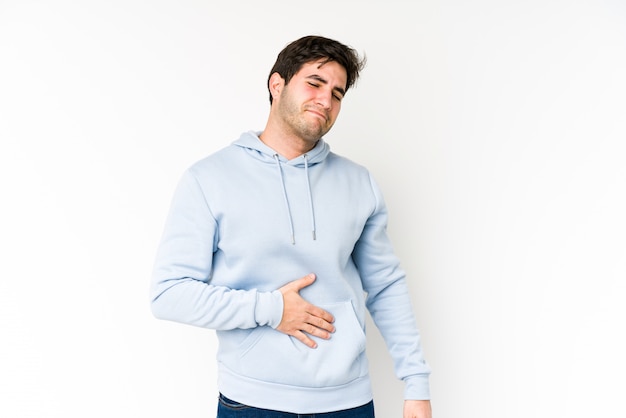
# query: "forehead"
x,y
331,71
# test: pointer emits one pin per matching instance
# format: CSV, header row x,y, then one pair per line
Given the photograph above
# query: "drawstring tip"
x,y
314,236
293,240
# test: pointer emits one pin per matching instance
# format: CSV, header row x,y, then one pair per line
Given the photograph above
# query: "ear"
x,y
275,85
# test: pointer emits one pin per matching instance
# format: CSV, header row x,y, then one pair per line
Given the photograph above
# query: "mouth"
x,y
319,113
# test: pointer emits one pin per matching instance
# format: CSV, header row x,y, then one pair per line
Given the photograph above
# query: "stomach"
x,y
266,354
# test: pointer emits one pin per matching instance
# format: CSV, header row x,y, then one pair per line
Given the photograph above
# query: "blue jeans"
x,y
227,408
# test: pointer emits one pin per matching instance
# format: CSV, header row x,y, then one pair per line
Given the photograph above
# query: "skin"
x,y
302,112
417,409
305,109
300,318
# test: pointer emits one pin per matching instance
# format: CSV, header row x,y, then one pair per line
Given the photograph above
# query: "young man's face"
x,y
310,103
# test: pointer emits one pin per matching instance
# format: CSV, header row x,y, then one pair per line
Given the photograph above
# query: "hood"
x,y
257,149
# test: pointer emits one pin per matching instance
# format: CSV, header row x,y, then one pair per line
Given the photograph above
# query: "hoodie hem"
x,y
293,399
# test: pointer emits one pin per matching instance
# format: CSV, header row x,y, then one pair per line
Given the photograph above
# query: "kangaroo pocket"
x,y
269,355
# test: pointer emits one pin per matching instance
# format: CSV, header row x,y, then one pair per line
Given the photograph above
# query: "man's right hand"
x,y
300,318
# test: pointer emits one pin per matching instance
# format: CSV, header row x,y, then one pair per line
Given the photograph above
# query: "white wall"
x,y
496,129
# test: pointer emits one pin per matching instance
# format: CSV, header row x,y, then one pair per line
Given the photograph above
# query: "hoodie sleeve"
x,y
181,288
389,303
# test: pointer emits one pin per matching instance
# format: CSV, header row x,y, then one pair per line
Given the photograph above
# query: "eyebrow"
x,y
323,81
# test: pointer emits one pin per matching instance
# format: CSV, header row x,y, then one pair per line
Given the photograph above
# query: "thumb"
x,y
303,282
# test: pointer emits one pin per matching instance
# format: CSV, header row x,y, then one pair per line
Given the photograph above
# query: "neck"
x,y
289,146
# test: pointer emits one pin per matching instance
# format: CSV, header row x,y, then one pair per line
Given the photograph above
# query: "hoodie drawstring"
x,y
282,181
308,184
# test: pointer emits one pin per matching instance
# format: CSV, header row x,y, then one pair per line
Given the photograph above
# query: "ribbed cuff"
x,y
269,308
417,388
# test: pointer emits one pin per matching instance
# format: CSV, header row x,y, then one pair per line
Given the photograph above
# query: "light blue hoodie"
x,y
243,223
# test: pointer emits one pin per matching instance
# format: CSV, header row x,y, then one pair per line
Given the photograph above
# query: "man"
x,y
273,242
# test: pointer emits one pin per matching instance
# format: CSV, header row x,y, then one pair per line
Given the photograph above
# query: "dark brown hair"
x,y
313,48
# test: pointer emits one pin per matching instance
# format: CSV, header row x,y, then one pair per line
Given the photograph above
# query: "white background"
x,y
495,128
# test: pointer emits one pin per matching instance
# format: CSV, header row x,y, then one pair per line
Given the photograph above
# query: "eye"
x,y
313,84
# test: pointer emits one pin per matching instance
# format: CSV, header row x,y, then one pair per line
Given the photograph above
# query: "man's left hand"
x,y
417,409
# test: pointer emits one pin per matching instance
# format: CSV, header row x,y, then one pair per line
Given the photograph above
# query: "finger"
x,y
321,314
316,331
321,323
302,337
303,282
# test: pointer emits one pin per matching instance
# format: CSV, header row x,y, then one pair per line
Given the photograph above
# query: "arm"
x,y
181,288
389,303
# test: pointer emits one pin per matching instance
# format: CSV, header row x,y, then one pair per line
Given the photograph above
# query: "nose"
x,y
325,98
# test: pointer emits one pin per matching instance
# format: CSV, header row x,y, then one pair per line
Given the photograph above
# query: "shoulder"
x,y
345,163
217,161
